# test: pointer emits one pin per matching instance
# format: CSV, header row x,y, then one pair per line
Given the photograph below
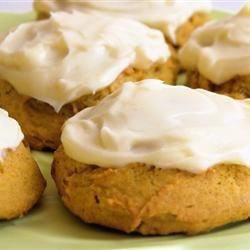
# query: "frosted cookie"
x,y
176,19
217,56
21,182
51,69
157,159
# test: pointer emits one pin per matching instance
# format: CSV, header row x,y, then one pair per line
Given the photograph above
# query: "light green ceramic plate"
x,y
50,226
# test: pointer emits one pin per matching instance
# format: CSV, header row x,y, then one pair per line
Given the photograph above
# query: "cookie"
x,y
21,183
216,57
61,68
157,159
176,19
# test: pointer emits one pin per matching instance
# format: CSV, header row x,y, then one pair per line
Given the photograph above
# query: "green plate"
x,y
50,226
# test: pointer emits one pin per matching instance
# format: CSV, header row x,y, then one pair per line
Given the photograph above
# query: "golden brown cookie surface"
x,y
238,87
21,183
184,32
145,199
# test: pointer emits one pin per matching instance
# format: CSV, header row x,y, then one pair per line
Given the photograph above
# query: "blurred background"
x,y
26,5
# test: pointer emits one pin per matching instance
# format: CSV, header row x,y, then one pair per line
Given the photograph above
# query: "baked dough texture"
x,y
238,87
195,21
21,183
150,200
41,124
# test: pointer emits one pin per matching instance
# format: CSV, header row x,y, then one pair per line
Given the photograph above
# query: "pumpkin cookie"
x,y
217,56
21,182
160,163
176,19
51,69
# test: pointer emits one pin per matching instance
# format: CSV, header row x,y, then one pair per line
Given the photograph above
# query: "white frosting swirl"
x,y
161,125
166,15
10,133
220,50
71,55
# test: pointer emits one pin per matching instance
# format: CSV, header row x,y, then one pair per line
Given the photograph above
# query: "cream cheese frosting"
x,y
220,50
166,15
161,125
10,133
74,54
